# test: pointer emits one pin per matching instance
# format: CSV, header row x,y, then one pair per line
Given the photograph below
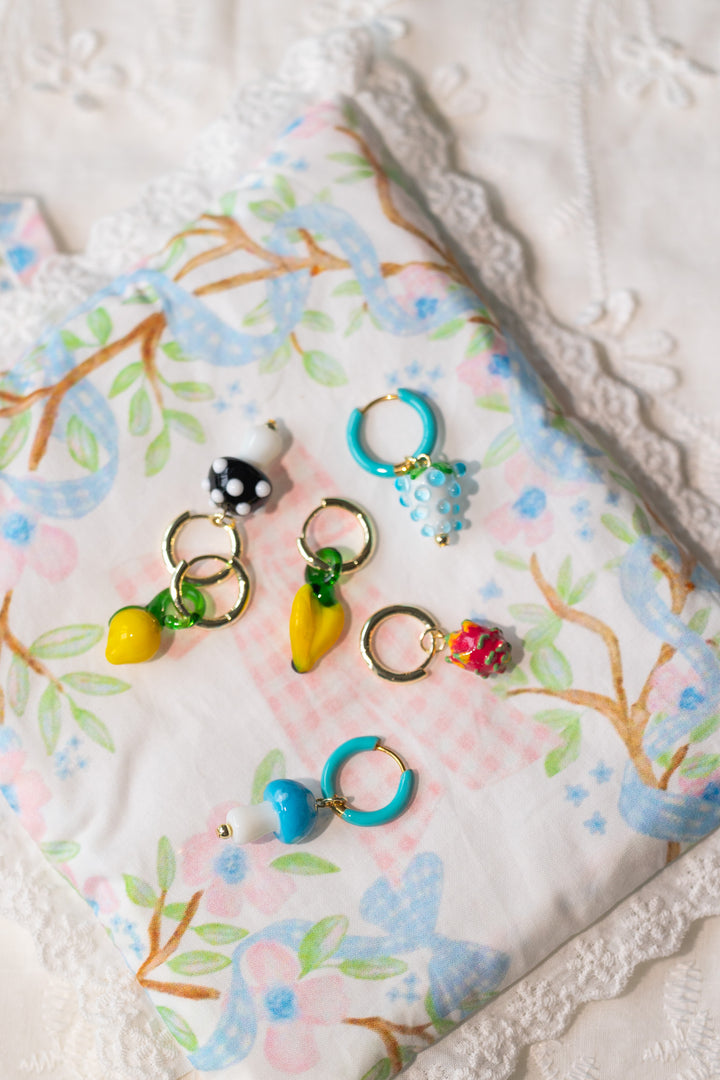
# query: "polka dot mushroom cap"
x,y
238,485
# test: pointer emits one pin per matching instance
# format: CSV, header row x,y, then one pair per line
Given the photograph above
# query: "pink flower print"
x,y
315,120
672,689
291,1008
51,552
529,513
233,873
24,791
488,372
419,290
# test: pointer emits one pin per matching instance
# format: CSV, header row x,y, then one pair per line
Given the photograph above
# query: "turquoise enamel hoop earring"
x,y
289,809
430,489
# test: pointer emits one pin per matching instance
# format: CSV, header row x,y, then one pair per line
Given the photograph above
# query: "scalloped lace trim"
x,y
133,1043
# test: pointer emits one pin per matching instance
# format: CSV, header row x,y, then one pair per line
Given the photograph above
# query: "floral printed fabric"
x,y
544,794
25,241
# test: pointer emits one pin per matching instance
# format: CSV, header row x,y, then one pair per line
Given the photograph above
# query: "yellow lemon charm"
x,y
134,636
314,628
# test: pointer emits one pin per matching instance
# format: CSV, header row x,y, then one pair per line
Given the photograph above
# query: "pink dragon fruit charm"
x,y
480,649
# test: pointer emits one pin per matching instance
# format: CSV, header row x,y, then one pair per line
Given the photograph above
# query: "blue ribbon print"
x,y
408,915
665,815
200,332
556,451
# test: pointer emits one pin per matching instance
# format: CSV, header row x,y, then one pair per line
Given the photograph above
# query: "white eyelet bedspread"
x,y
591,126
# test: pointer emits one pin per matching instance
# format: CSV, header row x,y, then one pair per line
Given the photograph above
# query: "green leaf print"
x,y
348,288
60,851
321,942
494,402
165,863
568,752
481,341
272,767
71,341
382,967
700,765
447,330
18,685
640,521
276,361
140,413
324,369
285,192
125,378
175,911
100,325
702,731
318,320
502,447
544,633
355,176
267,210
581,588
347,158
139,891
88,682
49,717
618,528
157,454
509,558
82,444
14,438
66,641
303,862
220,933
185,424
381,1070
699,620
564,581
551,668
193,391
178,1028
92,725
198,962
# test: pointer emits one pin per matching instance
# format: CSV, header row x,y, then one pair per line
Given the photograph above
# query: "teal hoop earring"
x,y
289,809
430,489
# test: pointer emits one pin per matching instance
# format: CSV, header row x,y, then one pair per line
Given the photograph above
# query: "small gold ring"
x,y
234,566
367,635
170,539
365,524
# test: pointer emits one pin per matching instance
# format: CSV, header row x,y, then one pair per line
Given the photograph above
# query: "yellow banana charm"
x,y
314,628
317,617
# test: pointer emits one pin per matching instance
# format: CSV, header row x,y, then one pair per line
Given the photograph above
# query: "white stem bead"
x,y
249,823
260,446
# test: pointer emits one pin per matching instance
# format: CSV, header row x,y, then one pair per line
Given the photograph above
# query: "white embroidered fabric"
x,y
88,1017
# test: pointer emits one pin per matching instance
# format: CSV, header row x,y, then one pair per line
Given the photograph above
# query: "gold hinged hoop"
x,y
430,629
364,522
169,542
234,566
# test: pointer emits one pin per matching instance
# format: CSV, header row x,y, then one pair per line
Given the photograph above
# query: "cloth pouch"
x,y
544,794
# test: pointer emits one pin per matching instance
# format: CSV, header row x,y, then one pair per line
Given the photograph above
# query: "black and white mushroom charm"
x,y
238,485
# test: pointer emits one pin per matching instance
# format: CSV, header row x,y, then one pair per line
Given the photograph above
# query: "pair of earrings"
x,y
317,618
237,487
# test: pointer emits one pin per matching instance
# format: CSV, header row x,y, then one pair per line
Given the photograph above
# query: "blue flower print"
x,y
499,365
490,591
576,793
581,508
426,306
602,772
596,824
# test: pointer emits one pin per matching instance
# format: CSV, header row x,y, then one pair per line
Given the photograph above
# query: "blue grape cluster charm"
x,y
432,492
